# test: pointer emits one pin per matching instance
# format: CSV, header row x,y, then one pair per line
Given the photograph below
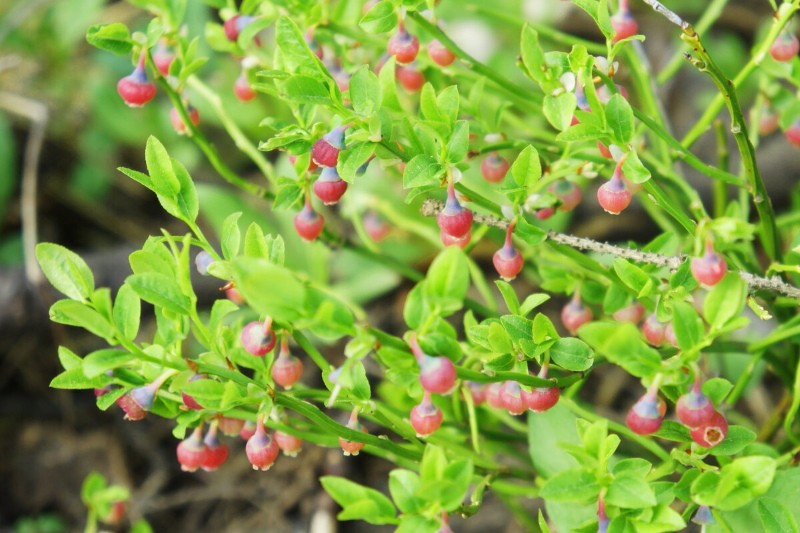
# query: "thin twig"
x,y
773,284
702,60
670,15
37,113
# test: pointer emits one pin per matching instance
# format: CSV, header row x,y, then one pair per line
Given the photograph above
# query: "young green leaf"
x,y
127,312
619,116
359,502
365,92
79,314
65,270
559,110
160,290
423,170
115,38
99,361
527,169
572,354
380,18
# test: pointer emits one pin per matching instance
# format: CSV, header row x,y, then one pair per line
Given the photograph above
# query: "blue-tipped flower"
x,y
454,220
325,151
329,187
703,516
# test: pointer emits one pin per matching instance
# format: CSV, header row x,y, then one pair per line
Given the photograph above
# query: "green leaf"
x,y
688,325
79,314
634,466
297,57
725,301
255,243
633,277
99,361
306,90
68,359
598,10
527,169
74,378
354,378
270,289
736,484
207,392
737,439
533,55
352,158
580,132
717,389
458,475
619,116
447,280
423,170
127,312
359,502
448,102
92,484
163,180
65,270
416,307
559,110
509,296
115,37
404,487
230,235
412,523
547,433
775,517
186,205
543,329
518,328
529,233
630,492
574,485
571,353
661,518
143,261
232,395
433,464
499,339
160,290
622,345
458,144
365,92
428,105
380,18
532,301
634,170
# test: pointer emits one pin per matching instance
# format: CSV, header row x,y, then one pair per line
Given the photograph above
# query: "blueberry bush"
x,y
385,153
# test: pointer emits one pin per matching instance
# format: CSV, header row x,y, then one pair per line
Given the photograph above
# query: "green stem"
x,y
508,86
205,146
311,350
784,14
326,423
710,15
239,138
723,157
705,63
684,153
546,31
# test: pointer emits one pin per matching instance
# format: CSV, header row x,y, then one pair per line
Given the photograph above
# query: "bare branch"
x,y
773,284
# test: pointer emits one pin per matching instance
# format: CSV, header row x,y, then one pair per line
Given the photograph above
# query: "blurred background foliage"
x,y
86,204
